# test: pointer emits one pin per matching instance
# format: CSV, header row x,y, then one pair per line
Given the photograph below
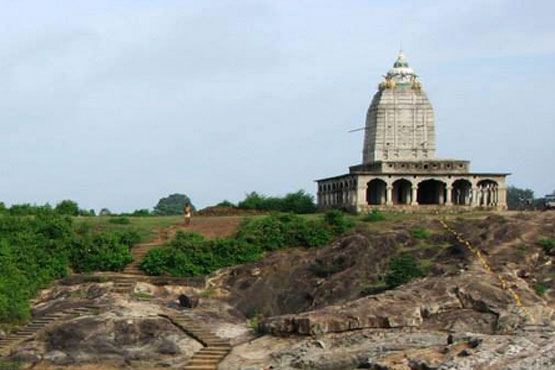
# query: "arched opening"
x,y
402,192
487,193
462,192
376,192
431,192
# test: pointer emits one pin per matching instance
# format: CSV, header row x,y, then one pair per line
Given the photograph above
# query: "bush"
x,y
548,245
374,216
540,288
420,233
104,251
298,202
402,269
33,252
141,213
226,203
338,222
36,249
67,207
119,220
189,254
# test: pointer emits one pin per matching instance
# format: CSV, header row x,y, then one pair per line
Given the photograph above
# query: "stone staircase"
x,y
138,252
38,324
215,348
123,285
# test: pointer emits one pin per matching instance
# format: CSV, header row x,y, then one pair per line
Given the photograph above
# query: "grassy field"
x,y
149,228
145,226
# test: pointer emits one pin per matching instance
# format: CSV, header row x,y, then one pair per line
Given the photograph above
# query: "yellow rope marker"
x,y
486,265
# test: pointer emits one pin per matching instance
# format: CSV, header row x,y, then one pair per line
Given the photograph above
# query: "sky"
x,y
118,103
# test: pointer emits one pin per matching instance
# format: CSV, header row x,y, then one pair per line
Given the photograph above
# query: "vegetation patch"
x,y
540,288
402,269
41,245
9,365
299,202
190,254
420,233
374,288
374,216
548,245
122,220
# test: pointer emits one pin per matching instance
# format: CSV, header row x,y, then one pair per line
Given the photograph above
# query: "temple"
x,y
399,167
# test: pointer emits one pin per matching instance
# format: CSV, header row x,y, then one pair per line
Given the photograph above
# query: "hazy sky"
x,y
118,103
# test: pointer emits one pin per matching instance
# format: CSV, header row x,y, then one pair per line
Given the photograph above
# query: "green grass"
x,y
425,265
143,225
420,233
9,365
540,289
548,244
373,288
142,296
374,216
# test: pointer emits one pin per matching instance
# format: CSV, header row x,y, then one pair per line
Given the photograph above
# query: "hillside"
x,y
485,300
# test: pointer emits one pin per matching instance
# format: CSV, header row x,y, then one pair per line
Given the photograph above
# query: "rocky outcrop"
x,y
433,303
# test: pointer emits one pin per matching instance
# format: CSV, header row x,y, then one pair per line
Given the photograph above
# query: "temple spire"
x,y
401,75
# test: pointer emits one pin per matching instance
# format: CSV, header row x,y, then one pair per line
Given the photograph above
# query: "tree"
x,y
518,198
172,205
105,212
67,207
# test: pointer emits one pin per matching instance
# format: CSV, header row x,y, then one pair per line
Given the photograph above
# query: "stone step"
x,y
213,351
217,358
194,362
201,367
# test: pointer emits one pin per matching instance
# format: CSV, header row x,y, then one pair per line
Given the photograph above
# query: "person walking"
x,y
187,212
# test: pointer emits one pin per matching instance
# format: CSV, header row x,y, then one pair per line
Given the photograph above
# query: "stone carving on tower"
x,y
400,120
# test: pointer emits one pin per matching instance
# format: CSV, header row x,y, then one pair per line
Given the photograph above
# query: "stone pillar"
x,y
408,194
389,197
475,197
361,200
449,200
441,197
502,198
414,198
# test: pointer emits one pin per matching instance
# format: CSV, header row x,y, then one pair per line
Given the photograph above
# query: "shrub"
x,y
33,252
540,288
548,245
402,269
374,289
141,213
155,261
104,251
67,207
119,220
338,222
420,233
298,202
189,254
374,216
9,365
226,203
36,250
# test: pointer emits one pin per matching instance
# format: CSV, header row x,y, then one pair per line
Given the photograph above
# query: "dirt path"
x,y
210,227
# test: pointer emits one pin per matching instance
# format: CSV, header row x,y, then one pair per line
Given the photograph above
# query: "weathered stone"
x,y
188,301
57,357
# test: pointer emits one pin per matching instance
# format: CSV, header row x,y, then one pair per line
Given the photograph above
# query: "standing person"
x,y
187,213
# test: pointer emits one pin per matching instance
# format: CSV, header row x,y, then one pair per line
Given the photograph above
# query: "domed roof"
x,y
401,74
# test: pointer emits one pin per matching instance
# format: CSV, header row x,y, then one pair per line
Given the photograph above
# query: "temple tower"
x,y
400,120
